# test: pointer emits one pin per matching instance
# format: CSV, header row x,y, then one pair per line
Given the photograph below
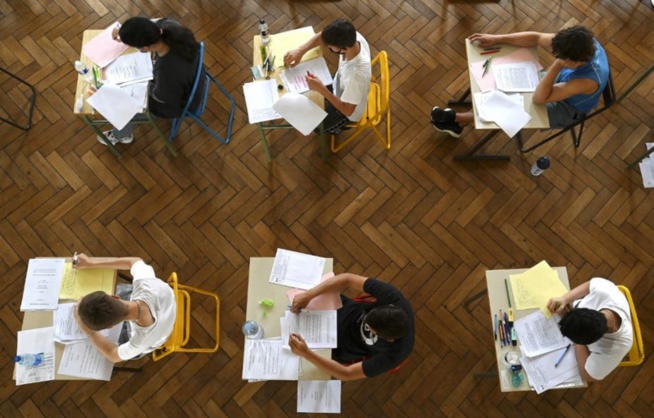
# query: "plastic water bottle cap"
x,y
543,163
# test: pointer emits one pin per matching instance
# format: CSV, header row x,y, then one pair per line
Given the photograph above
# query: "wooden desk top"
x,y
538,112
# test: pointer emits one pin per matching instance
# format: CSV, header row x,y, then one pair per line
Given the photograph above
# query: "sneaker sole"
x,y
447,131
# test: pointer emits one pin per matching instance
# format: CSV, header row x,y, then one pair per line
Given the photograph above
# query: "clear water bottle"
x,y
539,167
29,360
84,71
263,31
252,330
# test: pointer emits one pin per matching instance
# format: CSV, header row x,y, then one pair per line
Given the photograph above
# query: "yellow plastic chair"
x,y
378,106
637,353
182,328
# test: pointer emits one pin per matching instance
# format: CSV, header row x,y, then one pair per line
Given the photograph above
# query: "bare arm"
x,y
315,84
329,366
118,263
582,353
104,345
293,57
335,284
527,39
548,92
562,303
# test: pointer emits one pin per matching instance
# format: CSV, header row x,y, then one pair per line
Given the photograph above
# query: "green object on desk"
x,y
506,286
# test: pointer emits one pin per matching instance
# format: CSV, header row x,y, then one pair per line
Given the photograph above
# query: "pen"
x,y
506,283
500,324
492,51
310,75
488,64
492,48
507,330
562,354
300,309
495,327
75,260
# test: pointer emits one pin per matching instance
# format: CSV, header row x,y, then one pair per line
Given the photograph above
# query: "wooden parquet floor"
x,y
411,216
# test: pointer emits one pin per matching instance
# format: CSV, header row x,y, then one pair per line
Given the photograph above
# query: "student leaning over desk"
x,y
597,319
348,99
175,53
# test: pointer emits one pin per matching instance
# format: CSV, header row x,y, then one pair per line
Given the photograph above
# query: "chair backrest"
x,y
608,95
380,92
198,76
637,353
181,329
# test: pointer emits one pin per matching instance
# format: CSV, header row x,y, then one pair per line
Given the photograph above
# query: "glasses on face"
x,y
339,51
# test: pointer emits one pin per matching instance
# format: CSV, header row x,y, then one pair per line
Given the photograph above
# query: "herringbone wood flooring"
x,y
410,216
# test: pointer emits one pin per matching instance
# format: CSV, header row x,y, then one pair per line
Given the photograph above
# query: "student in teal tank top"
x,y
571,87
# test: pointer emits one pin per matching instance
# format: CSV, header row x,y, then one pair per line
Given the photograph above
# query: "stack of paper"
x,y
102,49
35,341
295,81
507,110
286,41
79,282
318,328
269,360
319,396
129,69
259,99
42,284
115,104
84,360
516,77
535,287
542,346
295,269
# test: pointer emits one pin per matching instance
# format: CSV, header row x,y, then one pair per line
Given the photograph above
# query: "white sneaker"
x,y
110,136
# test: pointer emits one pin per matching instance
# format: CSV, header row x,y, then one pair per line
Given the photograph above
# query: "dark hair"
x,y
583,325
100,311
140,32
575,44
339,33
388,321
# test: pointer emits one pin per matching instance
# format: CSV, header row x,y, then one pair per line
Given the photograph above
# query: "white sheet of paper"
x,y
260,96
506,113
35,341
42,284
115,104
538,335
300,112
295,81
318,328
294,269
647,168
129,69
542,374
138,92
269,360
66,327
319,396
486,113
516,77
84,360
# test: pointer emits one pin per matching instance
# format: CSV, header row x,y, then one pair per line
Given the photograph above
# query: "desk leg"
x,y
471,156
162,136
111,146
462,101
641,158
323,142
264,142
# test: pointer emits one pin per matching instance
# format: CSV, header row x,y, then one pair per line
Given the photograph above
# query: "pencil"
x,y
492,51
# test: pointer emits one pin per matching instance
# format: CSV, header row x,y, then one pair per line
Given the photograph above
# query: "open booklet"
x,y
318,328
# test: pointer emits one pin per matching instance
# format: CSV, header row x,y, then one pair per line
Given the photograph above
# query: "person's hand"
x,y
558,64
300,302
298,346
114,33
315,84
558,305
483,39
83,261
293,58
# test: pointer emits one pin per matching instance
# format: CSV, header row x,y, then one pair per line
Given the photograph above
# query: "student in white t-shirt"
x,y
597,319
348,98
151,310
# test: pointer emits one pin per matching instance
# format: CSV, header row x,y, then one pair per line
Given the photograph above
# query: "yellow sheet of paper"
x,y
77,283
281,43
535,287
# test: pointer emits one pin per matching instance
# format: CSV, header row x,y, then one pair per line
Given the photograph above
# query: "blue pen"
x,y
562,355
507,330
495,323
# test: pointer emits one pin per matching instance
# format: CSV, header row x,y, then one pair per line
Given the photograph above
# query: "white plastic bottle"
x,y
263,31
252,330
84,71
29,360
539,167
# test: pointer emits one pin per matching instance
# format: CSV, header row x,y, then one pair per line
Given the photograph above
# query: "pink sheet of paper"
x,y
324,302
487,82
102,49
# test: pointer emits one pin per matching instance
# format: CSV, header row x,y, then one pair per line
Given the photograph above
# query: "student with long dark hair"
x,y
175,53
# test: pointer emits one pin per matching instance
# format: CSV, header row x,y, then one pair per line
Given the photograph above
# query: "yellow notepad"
x,y
281,43
535,287
79,282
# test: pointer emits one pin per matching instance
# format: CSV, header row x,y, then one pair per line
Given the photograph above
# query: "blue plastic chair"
x,y
197,113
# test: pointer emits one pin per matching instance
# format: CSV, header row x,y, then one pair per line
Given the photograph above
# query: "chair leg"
x,y
577,139
30,109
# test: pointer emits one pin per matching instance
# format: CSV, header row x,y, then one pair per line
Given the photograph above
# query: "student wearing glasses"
x,y
175,53
372,338
346,101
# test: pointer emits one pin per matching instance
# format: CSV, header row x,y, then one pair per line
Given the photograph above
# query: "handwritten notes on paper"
x,y
535,287
319,396
77,283
269,360
295,269
36,341
318,328
42,284
129,69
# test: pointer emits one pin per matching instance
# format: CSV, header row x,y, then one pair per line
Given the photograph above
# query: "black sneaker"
x,y
452,128
442,115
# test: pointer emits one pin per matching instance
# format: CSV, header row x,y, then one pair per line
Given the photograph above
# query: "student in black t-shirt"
x,y
381,332
176,53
